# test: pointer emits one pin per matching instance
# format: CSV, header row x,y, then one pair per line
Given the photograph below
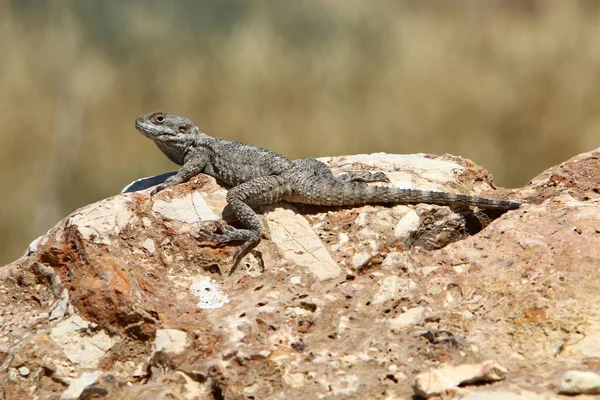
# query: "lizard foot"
x,y
157,189
365,176
230,234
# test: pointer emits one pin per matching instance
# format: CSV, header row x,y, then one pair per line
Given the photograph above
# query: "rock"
x,y
506,395
190,209
411,316
77,386
209,293
149,245
580,382
170,341
359,260
387,291
436,381
408,224
299,243
351,302
100,222
587,345
81,341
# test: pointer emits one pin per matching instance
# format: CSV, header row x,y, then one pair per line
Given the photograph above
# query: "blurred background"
x,y
512,84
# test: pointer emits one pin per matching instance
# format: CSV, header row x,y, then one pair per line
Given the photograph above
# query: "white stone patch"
x,y
428,270
388,290
589,345
343,238
505,395
343,325
33,246
63,306
588,210
80,348
77,386
273,295
209,293
342,385
295,312
298,242
190,209
393,260
436,381
295,380
170,341
148,244
367,234
194,390
363,219
99,221
410,317
349,360
359,260
426,170
392,162
408,224
532,242
580,382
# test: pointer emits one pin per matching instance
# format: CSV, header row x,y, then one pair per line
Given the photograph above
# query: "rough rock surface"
x,y
122,300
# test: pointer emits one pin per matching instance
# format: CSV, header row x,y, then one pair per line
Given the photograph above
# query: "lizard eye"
x,y
159,119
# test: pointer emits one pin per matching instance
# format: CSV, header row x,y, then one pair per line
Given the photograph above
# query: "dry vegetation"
x,y
513,85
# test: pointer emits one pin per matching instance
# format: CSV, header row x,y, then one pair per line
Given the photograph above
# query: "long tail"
x,y
335,193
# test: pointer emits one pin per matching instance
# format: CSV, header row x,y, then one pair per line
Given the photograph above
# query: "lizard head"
x,y
160,126
173,135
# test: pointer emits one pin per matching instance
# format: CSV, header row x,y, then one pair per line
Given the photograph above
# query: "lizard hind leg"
x,y
320,169
262,190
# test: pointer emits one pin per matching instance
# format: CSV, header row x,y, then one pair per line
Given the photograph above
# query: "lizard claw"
x,y
239,254
380,177
225,236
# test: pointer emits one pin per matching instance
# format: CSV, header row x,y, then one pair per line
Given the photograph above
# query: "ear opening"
x,y
185,128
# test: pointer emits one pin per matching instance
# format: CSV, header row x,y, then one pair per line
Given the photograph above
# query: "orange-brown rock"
x,y
123,300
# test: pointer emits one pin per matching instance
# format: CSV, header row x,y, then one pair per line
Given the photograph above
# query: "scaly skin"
x,y
258,177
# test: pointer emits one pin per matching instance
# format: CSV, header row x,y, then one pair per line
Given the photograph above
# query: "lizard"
x,y
257,176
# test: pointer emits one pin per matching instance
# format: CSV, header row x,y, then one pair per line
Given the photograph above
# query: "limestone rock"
x,y
580,382
122,300
436,381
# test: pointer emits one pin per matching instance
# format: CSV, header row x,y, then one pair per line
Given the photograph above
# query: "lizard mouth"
x,y
148,130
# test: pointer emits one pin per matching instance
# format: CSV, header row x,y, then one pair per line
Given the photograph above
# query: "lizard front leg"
x,y
192,167
241,199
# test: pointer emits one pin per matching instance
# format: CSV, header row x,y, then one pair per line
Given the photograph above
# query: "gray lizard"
x,y
258,176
